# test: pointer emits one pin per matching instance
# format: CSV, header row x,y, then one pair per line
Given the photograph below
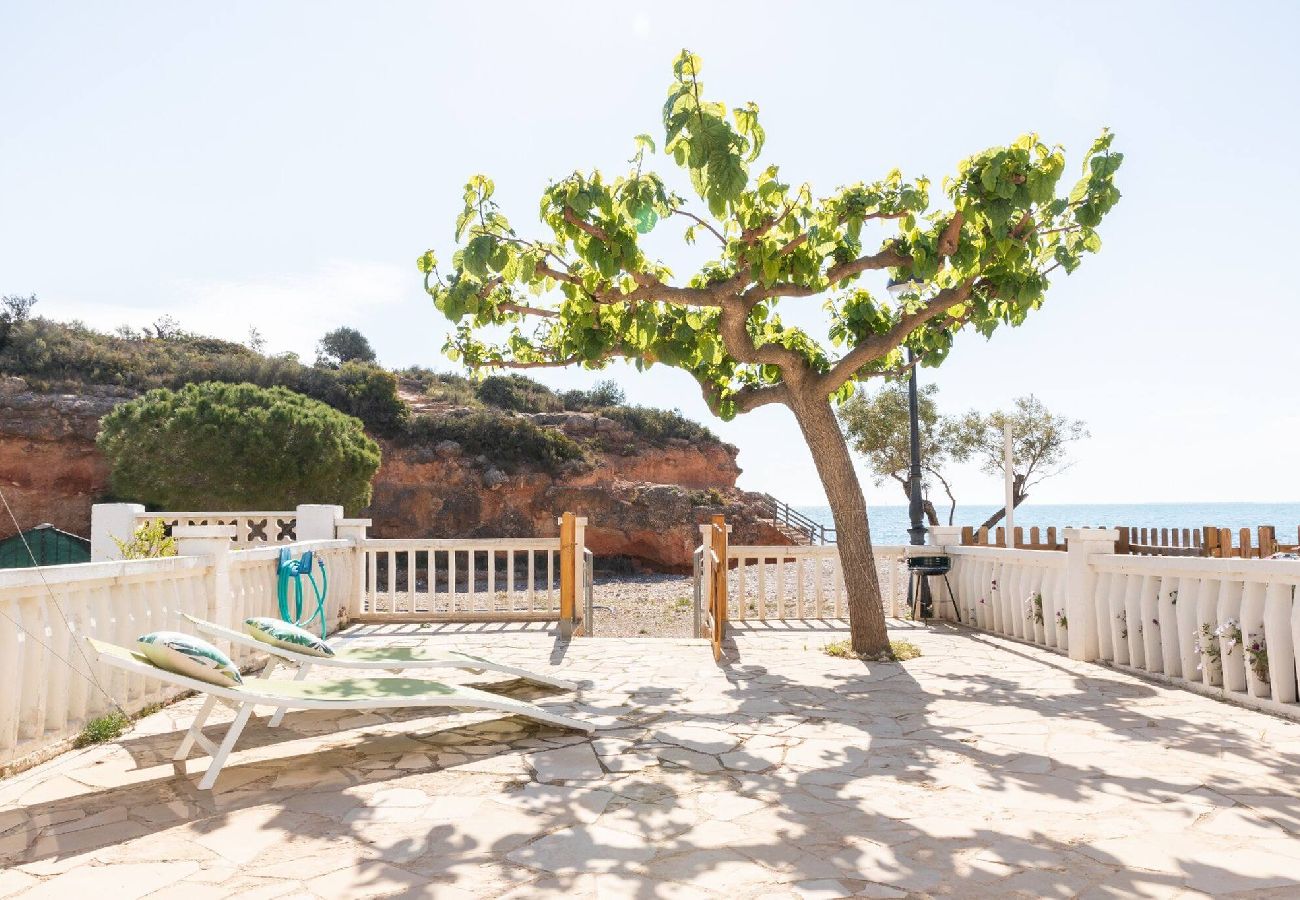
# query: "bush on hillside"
x,y
658,426
517,393
236,446
57,356
507,441
602,394
444,387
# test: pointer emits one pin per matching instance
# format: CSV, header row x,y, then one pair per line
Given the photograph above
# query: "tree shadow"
x,y
934,776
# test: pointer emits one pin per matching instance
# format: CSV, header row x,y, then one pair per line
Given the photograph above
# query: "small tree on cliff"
x,y
982,263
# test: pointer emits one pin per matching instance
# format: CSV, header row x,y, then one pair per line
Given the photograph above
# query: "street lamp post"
x,y
915,506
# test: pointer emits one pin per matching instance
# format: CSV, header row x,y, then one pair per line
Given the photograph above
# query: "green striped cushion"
x,y
187,655
286,635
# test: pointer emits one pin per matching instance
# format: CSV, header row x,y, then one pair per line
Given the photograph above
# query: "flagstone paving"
x,y
985,768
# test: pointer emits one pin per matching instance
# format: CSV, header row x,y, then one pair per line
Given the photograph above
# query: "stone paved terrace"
x,y
983,769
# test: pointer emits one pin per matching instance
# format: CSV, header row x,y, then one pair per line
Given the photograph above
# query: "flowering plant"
x,y
1257,653
1207,645
1034,608
1229,632
1061,620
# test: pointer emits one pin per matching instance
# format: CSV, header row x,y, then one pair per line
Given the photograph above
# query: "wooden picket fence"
x,y
1207,541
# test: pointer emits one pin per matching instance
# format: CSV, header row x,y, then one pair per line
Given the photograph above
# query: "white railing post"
x,y
945,535
212,542
354,530
317,521
109,521
579,570
1080,586
942,537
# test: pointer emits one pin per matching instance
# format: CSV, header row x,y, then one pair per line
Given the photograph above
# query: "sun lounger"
x,y
388,659
338,693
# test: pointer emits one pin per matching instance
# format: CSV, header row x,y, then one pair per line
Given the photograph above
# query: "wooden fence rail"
x,y
1207,541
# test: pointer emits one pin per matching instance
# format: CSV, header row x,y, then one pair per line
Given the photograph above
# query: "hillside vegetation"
x,y
495,417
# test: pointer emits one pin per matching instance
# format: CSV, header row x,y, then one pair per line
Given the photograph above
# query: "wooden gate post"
x,y
719,575
568,574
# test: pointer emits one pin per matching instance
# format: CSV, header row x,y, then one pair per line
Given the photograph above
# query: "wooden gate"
x,y
712,577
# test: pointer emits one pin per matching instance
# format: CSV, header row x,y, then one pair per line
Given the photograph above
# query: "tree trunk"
x,y
931,514
1017,497
830,454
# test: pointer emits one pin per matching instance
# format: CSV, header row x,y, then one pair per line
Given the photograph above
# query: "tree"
x,y
879,428
982,263
344,345
1039,445
15,309
236,446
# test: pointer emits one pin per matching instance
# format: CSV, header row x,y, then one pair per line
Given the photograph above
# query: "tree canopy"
x,y
1040,441
984,262
236,446
344,345
879,428
587,292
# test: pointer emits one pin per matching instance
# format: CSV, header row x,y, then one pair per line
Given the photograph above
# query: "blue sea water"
x,y
889,523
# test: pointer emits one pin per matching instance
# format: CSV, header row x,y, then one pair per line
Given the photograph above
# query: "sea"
x,y
889,523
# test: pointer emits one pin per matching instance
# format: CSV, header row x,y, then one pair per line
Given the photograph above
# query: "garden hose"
x,y
295,570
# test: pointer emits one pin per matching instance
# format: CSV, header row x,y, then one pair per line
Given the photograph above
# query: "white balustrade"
x,y
1192,620
252,529
464,580
52,684
777,583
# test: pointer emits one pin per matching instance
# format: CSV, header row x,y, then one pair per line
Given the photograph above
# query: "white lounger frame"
x,y
244,699
303,662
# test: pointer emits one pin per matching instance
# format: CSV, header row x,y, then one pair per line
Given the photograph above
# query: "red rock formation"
x,y
643,503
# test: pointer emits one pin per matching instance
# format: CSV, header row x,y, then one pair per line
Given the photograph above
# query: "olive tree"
x,y
1040,442
222,446
587,292
878,427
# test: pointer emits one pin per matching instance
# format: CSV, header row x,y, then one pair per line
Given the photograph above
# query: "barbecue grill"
x,y
920,570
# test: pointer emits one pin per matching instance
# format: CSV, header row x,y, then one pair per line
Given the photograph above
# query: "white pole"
x,y
1009,476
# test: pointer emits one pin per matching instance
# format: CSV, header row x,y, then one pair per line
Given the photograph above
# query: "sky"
x,y
281,166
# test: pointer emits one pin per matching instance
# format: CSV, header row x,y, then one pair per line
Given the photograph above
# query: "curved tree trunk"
x,y
830,454
1016,499
931,514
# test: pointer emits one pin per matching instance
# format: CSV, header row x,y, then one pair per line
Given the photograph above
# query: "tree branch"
x,y
528,310
878,345
539,364
578,222
751,398
690,215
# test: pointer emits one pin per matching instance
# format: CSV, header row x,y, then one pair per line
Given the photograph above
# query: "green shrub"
x,y
236,446
509,441
603,394
149,541
58,356
658,426
362,390
899,651
105,728
517,393
454,389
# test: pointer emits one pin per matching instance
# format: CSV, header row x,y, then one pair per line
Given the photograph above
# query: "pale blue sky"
x,y
283,164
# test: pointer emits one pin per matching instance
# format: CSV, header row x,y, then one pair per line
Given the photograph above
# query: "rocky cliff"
x,y
642,503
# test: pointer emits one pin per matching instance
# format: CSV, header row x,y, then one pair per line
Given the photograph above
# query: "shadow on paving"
x,y
852,809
